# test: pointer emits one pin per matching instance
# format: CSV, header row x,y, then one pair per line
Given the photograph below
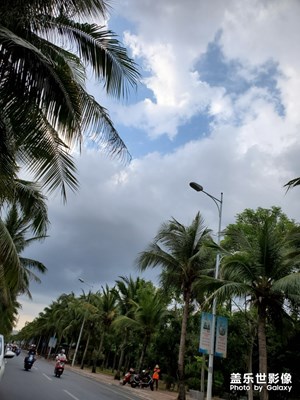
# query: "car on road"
x,y
3,355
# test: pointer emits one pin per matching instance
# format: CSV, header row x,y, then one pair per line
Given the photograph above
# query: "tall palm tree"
x,y
45,51
107,312
19,228
32,212
144,317
127,290
182,254
258,270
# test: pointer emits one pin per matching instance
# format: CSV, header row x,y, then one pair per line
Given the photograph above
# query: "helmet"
x,y
63,350
33,346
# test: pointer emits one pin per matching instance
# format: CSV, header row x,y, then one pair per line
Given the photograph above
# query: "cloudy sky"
x,y
218,104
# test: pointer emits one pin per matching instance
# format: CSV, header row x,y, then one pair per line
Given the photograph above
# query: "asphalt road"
x,y
40,384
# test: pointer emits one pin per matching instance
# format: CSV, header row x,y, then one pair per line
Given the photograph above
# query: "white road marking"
x,y
48,377
71,395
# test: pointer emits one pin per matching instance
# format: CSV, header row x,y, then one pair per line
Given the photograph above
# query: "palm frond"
x,y
99,48
9,260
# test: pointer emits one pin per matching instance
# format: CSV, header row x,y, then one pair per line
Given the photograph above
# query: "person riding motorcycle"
x,y
61,356
31,353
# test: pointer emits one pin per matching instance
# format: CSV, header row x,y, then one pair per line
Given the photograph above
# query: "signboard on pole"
x,y
221,337
205,333
52,342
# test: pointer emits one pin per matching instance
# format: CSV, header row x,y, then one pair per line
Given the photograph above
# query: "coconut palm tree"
x,y
144,318
19,228
107,312
127,290
258,270
182,254
32,213
46,49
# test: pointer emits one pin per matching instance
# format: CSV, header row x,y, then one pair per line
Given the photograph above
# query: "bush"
x,y
193,383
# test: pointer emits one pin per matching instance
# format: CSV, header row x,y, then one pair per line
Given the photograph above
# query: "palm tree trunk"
x,y
250,370
262,347
123,346
97,354
85,351
181,353
145,344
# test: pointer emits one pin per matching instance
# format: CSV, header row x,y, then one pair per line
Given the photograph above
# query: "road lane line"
x,y
48,377
71,395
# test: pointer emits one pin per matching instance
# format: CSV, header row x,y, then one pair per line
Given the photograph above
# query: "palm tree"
x,y
182,254
127,292
258,270
45,51
16,271
19,228
292,183
32,211
145,317
107,312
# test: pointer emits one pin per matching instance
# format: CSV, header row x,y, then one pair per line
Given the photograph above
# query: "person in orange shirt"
x,y
155,376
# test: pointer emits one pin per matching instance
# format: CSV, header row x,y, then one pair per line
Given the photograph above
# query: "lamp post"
x,y
82,325
219,204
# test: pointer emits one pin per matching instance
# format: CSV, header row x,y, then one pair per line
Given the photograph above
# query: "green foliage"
x,y
45,52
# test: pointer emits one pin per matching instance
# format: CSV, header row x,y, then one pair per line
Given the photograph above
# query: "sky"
x,y
218,104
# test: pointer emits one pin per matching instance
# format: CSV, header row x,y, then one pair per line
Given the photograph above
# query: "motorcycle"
x,y
128,377
142,380
59,368
28,362
16,350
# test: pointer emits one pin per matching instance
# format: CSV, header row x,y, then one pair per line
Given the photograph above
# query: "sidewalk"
x,y
145,394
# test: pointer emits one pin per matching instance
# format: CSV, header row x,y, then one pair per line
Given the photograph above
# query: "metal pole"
x,y
82,326
214,310
219,204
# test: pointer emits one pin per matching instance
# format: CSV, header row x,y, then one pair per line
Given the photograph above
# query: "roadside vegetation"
x,y
137,325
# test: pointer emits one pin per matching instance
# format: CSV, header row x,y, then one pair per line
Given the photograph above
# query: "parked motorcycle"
x,y
142,380
28,362
128,377
59,368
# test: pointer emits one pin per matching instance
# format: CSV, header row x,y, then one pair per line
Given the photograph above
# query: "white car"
x,y
3,355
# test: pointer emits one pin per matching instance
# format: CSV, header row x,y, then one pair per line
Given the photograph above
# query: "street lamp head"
x,y
196,186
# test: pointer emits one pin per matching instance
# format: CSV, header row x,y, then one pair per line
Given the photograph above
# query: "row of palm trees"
x,y
259,271
46,49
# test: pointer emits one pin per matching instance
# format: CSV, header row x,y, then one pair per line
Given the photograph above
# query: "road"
x,y
40,383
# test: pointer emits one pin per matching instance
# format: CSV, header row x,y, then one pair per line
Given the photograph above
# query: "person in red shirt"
x,y
155,376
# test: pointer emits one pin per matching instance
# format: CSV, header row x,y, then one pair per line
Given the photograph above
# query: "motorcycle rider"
x,y
61,357
31,354
31,351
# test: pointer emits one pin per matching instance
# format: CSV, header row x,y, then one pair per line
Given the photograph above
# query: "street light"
x,y
219,204
82,325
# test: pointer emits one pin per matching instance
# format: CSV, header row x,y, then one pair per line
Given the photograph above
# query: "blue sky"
x,y
218,104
